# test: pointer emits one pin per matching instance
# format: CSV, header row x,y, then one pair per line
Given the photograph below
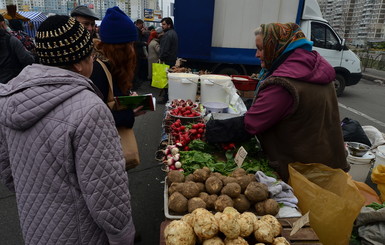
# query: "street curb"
x,y
375,79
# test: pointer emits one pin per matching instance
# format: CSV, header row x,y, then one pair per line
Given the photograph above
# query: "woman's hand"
x,y
138,111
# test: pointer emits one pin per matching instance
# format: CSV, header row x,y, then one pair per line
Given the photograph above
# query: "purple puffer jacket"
x,y
60,153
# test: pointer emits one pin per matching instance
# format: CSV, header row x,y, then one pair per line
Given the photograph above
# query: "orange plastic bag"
x,y
331,198
367,192
378,177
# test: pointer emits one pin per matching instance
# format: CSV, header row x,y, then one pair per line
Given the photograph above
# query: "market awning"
x,y
36,18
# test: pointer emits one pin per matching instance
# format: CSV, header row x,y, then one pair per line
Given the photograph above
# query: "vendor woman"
x,y
295,111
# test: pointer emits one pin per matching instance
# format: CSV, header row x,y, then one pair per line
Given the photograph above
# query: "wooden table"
x,y
305,235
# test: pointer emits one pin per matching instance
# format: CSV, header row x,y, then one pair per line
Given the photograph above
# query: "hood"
x,y
306,66
36,91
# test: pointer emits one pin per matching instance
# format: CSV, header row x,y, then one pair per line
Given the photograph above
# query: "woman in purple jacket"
x,y
59,148
295,111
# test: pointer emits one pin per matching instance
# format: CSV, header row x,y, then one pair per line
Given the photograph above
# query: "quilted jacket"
x,y
60,154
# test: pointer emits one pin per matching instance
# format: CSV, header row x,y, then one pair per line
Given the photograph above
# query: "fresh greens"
x,y
202,154
376,206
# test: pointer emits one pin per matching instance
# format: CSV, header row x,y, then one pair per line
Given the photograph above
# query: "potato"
x,y
195,203
233,190
201,186
190,189
218,175
189,177
273,221
213,185
207,170
238,172
177,203
200,175
179,232
280,241
174,176
228,223
252,177
229,179
236,241
175,187
243,181
205,224
241,203
256,192
211,201
263,231
268,206
213,241
222,202
204,196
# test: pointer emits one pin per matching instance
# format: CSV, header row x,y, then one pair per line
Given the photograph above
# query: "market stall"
x,y
227,181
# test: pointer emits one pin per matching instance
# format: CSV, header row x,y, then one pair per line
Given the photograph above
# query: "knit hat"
x,y
117,27
159,29
61,40
84,11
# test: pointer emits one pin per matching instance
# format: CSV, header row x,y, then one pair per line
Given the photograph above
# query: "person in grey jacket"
x,y
59,148
13,56
168,48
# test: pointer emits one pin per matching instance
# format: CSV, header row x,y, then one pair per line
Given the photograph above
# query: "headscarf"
x,y
153,34
279,39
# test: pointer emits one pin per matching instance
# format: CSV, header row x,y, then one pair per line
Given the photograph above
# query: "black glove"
x,y
226,131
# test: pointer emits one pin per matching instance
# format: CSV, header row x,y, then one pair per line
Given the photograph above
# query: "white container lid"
x,y
183,75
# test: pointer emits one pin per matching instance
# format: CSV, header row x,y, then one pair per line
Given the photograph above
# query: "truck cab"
x,y
331,46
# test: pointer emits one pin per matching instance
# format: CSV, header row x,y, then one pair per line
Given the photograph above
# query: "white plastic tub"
x,y
360,166
182,86
213,88
380,156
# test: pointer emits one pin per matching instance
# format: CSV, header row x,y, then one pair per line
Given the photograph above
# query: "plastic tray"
x,y
284,212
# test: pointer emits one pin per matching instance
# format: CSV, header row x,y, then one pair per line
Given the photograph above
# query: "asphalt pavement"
x,y
146,180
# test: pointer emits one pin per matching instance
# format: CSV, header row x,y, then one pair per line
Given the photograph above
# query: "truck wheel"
x,y
339,84
228,71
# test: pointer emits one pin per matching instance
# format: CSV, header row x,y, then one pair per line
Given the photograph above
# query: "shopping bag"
x,y
331,198
129,147
159,75
127,136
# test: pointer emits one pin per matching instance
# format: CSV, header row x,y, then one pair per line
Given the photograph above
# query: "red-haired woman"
x,y
117,51
153,51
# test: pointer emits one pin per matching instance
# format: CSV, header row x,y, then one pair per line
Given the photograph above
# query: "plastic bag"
x,y
353,131
159,75
367,192
378,177
331,198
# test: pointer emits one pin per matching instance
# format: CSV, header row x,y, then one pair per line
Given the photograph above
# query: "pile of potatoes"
x,y
214,191
228,227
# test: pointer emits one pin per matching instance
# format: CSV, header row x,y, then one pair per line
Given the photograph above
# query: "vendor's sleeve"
x,y
271,106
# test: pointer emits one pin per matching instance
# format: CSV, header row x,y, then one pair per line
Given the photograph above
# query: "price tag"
x,y
297,225
240,156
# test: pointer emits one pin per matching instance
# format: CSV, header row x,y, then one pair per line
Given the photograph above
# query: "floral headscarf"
x,y
280,38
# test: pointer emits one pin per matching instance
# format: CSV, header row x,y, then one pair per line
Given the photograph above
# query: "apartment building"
x,y
133,8
358,21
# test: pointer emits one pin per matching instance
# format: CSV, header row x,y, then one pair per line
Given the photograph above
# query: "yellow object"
x,y
17,17
331,198
159,75
378,177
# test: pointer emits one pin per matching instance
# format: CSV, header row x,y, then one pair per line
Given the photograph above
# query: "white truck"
x,y
218,35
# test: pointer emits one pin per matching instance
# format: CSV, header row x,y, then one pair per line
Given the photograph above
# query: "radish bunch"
x,y
185,111
182,135
171,158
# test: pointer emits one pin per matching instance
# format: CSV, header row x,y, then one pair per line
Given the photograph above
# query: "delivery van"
x,y
218,35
